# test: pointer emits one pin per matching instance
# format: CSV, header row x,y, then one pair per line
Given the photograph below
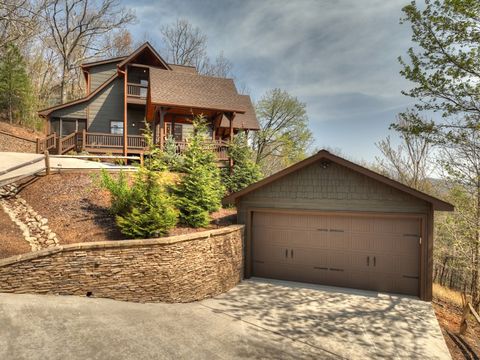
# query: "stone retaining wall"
x,y
175,269
10,142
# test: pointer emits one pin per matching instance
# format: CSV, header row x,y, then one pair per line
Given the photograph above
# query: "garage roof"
x,y
325,155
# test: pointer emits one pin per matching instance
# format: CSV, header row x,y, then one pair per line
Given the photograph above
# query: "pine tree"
x,y
152,213
15,86
244,171
201,190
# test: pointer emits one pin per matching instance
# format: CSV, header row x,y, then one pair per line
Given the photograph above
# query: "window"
x,y
116,127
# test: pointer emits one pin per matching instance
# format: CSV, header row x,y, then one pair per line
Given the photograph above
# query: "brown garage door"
x,y
373,253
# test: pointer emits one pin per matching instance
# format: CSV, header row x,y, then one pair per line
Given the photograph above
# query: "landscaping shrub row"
x,y
149,206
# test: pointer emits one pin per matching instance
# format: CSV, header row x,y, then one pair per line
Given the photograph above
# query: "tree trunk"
x,y
62,84
475,294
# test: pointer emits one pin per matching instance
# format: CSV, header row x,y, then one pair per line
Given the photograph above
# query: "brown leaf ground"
x,y
449,315
11,238
77,210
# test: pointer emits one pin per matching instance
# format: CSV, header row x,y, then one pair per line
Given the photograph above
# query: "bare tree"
x,y
187,45
119,43
77,28
409,162
18,20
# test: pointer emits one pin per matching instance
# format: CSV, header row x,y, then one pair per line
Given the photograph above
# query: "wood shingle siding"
x,y
72,112
105,107
101,73
333,188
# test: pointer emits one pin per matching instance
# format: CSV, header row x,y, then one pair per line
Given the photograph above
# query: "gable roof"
x,y
102,62
145,47
48,111
173,88
184,68
247,120
324,154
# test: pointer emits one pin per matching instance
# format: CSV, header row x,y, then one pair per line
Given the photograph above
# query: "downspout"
x,y
125,135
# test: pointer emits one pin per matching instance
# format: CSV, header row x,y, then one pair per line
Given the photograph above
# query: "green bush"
x,y
244,171
121,195
144,209
170,157
200,190
152,215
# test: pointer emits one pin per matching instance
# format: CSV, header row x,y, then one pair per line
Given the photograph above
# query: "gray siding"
x,y
101,73
335,188
106,106
136,121
72,112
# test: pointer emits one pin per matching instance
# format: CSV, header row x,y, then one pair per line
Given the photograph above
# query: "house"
x,y
329,221
123,92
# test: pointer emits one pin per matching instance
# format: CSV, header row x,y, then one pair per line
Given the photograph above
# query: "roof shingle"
x,y
194,91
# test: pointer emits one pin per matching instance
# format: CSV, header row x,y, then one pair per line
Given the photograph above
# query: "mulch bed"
x,y
11,238
465,346
77,210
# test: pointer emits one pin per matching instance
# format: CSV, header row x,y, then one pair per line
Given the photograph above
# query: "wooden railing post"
x,y
84,139
47,162
37,148
59,148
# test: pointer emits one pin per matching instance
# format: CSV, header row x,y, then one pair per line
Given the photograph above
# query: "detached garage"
x,y
326,220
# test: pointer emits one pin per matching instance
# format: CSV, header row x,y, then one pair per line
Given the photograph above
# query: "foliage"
x,y
284,137
143,209
121,195
244,171
153,155
200,190
445,64
152,213
170,156
16,98
444,68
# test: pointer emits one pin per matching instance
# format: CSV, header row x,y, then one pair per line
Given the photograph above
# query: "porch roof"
x,y
173,88
247,120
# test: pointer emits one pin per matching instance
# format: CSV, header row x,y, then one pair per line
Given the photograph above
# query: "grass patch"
x,y
447,295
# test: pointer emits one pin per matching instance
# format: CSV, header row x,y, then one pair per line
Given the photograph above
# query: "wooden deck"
x,y
103,143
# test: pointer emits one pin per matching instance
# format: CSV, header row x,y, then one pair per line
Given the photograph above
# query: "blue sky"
x,y
337,56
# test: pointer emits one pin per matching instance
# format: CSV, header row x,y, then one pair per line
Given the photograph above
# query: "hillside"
x,y
17,138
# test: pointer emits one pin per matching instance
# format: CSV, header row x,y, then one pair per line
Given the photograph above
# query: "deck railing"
x,y
113,141
103,142
219,147
47,144
67,143
137,90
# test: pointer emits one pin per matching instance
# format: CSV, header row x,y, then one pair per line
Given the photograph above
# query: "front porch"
x,y
104,143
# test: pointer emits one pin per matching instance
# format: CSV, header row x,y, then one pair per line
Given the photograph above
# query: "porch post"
x,y
162,128
125,123
230,160
231,126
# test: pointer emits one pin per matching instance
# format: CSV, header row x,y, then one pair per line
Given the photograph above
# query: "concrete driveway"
x,y
258,319
9,160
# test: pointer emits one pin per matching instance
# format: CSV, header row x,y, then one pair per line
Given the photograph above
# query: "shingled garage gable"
x,y
329,221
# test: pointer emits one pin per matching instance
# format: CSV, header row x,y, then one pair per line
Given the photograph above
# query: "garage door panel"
x,y
365,252
362,241
406,244
274,235
271,253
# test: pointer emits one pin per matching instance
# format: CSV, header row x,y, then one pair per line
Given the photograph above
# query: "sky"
x,y
337,56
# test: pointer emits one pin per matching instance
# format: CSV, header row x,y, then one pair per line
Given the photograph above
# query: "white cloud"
x,y
339,56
